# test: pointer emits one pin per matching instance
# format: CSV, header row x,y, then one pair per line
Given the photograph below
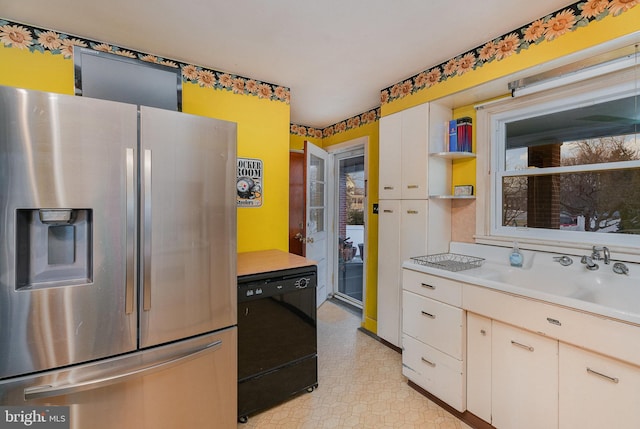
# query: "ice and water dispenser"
x,y
53,247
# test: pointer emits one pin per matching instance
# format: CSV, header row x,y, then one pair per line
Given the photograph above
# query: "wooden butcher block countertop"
x,y
264,261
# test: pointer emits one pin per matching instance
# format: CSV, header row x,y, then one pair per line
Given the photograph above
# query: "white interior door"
x,y
317,220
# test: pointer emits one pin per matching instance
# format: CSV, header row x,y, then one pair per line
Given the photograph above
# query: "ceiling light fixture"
x,y
598,65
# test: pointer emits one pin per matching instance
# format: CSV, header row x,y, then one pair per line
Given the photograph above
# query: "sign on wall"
x,y
249,182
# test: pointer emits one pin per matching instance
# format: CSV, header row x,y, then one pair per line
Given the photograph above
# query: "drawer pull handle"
x,y
412,186
428,286
388,188
429,315
428,362
606,377
554,321
517,344
412,211
387,211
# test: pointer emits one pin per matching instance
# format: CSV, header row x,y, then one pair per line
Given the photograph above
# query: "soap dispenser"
x,y
515,259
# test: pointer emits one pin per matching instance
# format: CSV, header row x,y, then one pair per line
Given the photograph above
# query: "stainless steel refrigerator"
x,y
117,262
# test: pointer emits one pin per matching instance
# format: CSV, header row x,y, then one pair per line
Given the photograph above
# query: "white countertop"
x,y
601,292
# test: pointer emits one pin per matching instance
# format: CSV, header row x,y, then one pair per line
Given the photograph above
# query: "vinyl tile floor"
x,y
360,385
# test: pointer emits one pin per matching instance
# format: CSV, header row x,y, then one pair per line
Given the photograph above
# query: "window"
x,y
565,164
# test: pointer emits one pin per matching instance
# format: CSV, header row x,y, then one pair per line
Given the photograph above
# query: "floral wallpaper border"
x,y
365,118
22,36
548,28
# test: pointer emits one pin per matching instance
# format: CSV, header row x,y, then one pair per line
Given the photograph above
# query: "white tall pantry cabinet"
x,y
409,224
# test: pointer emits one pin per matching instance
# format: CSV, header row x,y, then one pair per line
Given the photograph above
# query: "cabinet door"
x,y
597,392
389,283
415,152
390,157
524,374
413,228
479,366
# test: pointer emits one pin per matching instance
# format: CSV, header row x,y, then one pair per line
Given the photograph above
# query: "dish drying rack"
x,y
449,261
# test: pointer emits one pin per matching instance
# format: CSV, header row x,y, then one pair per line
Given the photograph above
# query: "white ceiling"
x,y
334,55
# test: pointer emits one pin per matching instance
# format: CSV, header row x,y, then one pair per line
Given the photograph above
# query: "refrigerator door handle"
x,y
49,391
146,230
130,234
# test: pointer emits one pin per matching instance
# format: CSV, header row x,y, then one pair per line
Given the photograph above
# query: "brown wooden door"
x,y
297,199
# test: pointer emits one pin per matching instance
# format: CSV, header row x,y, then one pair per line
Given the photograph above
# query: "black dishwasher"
x,y
277,338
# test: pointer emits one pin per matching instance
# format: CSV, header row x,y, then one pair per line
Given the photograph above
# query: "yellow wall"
x,y
595,33
263,133
296,142
43,72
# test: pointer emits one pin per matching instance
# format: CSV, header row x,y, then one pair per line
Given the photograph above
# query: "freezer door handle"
x,y
146,230
49,391
131,224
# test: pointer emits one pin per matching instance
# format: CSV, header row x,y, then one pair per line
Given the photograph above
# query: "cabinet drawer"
x,y
434,323
434,371
434,287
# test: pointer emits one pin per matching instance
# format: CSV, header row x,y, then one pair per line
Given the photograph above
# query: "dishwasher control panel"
x,y
265,285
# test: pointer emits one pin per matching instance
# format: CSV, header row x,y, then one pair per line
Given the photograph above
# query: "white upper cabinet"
x,y
390,157
414,152
406,139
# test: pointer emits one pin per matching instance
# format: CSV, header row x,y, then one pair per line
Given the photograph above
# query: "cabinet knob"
x,y
483,332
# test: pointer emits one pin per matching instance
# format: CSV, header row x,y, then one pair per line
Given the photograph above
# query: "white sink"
x,y
599,291
602,286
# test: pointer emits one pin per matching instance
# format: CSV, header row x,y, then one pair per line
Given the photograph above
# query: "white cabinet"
x,y
548,366
524,375
433,337
404,142
389,281
597,391
407,224
390,139
479,366
404,230
415,152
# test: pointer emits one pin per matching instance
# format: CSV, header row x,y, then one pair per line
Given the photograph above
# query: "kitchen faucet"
x,y
595,255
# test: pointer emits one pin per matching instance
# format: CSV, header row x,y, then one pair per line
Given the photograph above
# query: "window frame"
x,y
491,169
